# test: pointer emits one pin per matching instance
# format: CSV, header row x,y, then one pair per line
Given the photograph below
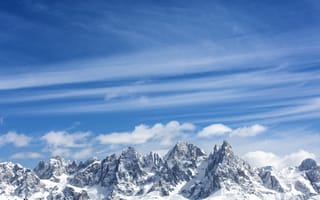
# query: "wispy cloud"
x,y
274,112
138,66
251,80
26,155
261,87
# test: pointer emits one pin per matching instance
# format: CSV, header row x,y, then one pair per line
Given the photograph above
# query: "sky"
x,y
82,79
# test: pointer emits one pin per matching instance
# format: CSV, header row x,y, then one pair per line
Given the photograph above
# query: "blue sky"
x,y
87,79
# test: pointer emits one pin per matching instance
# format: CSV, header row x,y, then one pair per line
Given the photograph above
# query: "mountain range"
x,y
185,172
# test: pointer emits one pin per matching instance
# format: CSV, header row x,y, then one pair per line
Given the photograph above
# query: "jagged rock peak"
x,y
17,181
224,147
9,164
307,164
57,158
223,152
153,158
182,149
129,151
86,163
55,167
181,144
222,170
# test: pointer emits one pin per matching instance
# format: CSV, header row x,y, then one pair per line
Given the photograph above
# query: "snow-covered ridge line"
x,y
185,172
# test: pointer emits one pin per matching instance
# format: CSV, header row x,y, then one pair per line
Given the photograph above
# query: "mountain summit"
x,y
185,172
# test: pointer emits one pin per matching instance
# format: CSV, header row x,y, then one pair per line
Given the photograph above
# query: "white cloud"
x,y
18,140
26,155
262,158
221,129
143,133
249,131
214,130
67,144
65,139
295,159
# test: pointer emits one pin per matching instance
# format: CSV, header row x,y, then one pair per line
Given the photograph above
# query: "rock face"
x,y
223,170
17,181
184,158
87,174
179,165
308,164
269,179
56,167
70,193
312,172
185,172
131,173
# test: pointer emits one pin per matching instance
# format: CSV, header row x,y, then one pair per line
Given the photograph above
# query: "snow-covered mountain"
x,y
185,172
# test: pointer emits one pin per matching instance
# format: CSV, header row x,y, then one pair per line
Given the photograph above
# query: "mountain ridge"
x,y
185,172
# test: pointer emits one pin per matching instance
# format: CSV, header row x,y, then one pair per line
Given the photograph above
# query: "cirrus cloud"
x,y
26,155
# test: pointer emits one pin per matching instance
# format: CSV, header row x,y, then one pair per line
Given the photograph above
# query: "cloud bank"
x,y
262,158
160,137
